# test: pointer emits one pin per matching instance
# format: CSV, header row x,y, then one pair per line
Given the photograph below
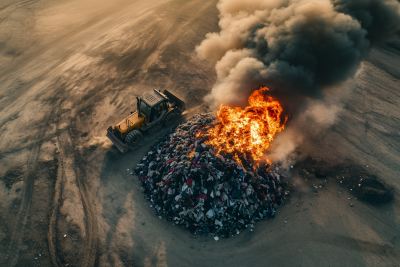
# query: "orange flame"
x,y
249,131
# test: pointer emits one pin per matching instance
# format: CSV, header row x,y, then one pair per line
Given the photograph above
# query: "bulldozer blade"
x,y
117,142
178,102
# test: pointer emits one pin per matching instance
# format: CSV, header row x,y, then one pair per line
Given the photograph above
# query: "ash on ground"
x,y
189,185
361,180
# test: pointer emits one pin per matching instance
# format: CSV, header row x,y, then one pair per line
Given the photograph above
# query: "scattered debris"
x,y
365,185
209,194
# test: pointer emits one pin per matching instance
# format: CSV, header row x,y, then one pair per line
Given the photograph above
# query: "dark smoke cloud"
x,y
298,47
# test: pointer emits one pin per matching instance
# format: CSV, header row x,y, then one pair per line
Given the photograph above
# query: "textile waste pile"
x,y
190,185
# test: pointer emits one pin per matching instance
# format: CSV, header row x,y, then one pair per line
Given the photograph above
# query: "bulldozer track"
x,y
91,225
51,235
23,213
66,150
90,218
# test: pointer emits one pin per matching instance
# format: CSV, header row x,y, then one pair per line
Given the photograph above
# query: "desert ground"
x,y
70,69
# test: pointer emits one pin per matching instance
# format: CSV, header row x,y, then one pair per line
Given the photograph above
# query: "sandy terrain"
x,y
69,69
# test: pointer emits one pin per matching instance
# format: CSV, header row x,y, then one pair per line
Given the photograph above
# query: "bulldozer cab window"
x,y
145,109
156,112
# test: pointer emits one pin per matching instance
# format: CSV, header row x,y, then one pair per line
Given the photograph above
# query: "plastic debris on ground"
x,y
191,186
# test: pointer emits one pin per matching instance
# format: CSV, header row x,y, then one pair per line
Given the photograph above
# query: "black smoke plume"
x,y
298,47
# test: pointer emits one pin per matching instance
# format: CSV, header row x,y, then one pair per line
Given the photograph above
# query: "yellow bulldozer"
x,y
154,110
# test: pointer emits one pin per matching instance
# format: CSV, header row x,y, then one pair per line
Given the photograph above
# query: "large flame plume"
x,y
247,132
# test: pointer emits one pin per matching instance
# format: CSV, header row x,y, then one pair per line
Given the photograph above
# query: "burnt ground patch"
x,y
364,184
362,181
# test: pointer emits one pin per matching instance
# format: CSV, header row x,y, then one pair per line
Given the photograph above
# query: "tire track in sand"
x,y
67,173
51,235
23,213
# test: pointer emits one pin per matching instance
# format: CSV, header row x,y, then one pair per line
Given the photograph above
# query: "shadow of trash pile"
x,y
191,186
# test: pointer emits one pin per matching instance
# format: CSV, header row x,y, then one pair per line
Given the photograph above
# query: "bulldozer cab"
x,y
153,106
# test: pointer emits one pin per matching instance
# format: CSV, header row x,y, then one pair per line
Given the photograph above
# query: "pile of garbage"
x,y
189,185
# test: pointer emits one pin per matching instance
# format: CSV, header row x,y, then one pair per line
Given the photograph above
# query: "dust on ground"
x,y
69,69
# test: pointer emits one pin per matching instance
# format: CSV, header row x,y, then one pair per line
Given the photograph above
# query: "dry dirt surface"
x,y
69,69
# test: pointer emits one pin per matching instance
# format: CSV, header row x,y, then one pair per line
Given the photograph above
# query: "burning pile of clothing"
x,y
210,194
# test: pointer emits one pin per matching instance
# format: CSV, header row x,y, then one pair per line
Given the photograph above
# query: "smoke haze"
x,y
296,48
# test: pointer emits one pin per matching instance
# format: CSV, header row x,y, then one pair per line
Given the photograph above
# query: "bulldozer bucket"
x,y
176,100
117,142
